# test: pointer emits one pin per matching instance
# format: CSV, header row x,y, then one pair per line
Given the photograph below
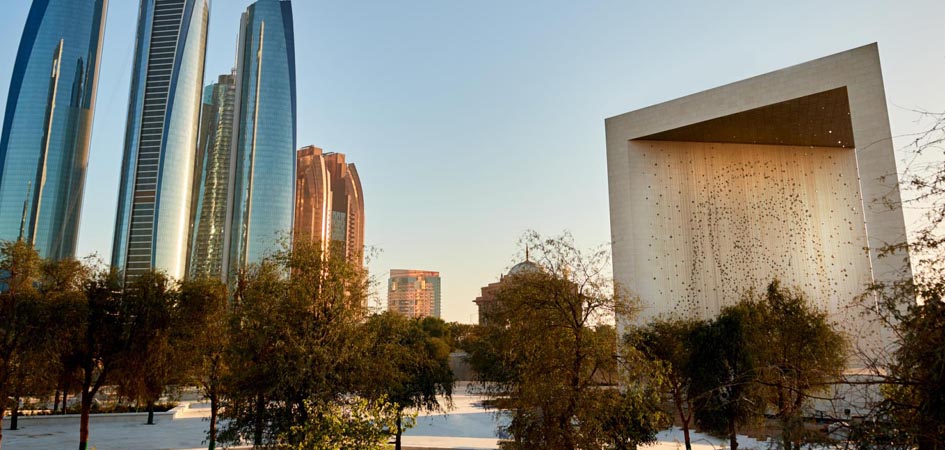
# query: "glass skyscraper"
x,y
262,194
211,179
154,204
44,148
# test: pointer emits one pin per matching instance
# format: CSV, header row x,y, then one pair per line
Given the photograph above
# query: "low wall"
x,y
73,419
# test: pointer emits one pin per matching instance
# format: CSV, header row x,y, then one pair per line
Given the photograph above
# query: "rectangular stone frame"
x,y
857,70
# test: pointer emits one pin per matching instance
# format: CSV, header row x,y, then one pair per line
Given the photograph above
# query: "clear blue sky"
x,y
473,121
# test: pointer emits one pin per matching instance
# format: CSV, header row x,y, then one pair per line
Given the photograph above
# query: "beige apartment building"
x,y
414,293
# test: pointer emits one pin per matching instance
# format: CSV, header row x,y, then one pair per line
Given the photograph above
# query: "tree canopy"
x,y
549,355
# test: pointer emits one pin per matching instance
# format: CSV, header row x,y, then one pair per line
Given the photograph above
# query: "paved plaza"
x,y
467,426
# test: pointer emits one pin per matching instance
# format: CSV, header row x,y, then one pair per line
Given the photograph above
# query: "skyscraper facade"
x,y
329,205
154,201
44,143
262,171
211,178
414,293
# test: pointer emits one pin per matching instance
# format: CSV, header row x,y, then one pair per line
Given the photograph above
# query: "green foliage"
x,y
915,387
23,315
625,418
409,359
669,343
799,353
148,363
297,316
201,340
767,354
548,350
460,333
349,424
724,363
408,363
62,287
103,343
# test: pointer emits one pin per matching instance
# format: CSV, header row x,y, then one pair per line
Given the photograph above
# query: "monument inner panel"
x,y
714,220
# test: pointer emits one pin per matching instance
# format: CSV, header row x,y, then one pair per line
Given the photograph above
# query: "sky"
x,y
471,122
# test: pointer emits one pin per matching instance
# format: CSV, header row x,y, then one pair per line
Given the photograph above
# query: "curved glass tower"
x,y
154,201
44,148
211,180
262,173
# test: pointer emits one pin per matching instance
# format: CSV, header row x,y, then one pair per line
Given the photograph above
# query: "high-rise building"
x,y
329,204
44,148
262,171
211,178
414,293
154,203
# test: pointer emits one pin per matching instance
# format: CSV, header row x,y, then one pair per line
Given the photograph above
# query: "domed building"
x,y
487,298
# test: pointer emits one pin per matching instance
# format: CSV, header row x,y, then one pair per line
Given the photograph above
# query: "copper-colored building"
x,y
414,293
329,203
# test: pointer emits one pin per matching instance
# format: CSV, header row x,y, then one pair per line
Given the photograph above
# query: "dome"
x,y
524,267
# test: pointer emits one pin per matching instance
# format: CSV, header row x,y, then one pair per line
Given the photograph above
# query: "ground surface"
x,y
466,426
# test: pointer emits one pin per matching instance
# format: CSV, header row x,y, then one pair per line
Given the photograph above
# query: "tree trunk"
x,y
65,396
56,402
258,432
84,419
213,423
150,412
400,431
14,418
732,437
677,399
926,443
3,411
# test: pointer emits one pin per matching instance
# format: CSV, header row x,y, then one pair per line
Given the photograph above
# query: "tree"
x,y
408,364
103,328
723,365
147,364
770,353
201,338
20,307
460,333
352,423
257,359
297,315
799,354
549,355
62,289
912,413
911,378
669,343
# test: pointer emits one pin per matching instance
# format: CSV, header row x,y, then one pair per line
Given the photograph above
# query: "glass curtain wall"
x,y
211,180
44,145
263,166
153,222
